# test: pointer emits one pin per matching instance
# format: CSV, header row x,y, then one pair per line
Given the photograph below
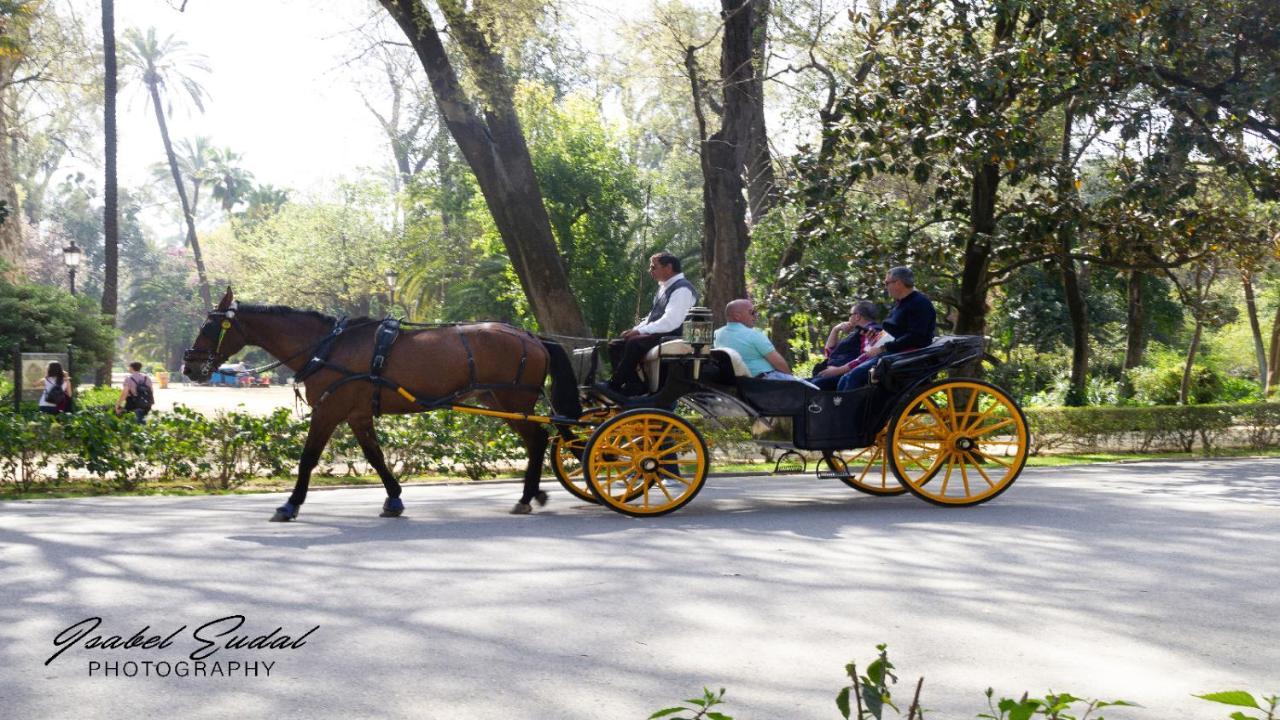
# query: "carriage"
x,y
917,428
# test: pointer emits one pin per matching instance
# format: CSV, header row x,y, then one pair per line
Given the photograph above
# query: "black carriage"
x,y
917,427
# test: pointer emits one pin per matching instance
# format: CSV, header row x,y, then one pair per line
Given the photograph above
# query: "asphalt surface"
x,y
1148,582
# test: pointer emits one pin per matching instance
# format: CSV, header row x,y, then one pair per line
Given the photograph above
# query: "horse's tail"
x,y
564,383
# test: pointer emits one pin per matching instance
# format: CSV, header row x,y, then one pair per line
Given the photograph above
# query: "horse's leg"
x,y
534,437
362,426
322,425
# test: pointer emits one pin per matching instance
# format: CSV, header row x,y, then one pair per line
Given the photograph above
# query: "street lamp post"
x,y
71,255
391,276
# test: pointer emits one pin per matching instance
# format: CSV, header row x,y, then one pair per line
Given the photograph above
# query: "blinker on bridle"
x,y
207,358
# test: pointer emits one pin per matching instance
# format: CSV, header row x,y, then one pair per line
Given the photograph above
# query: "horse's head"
x,y
220,337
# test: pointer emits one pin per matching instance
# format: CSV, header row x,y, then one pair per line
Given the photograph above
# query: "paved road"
x,y
208,399
1148,582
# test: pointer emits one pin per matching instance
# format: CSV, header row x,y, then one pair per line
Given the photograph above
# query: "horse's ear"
x,y
226,300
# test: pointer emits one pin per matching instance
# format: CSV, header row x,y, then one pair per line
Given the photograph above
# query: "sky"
x,y
278,91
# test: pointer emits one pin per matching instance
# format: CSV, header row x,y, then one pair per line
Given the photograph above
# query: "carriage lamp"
x,y
699,328
71,255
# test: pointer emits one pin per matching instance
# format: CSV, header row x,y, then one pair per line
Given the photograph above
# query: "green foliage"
x,y
697,707
1053,706
1162,427
1160,385
1240,698
592,194
872,692
38,318
328,256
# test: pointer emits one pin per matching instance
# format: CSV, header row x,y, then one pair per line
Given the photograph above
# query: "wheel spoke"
x,y
978,466
933,410
993,428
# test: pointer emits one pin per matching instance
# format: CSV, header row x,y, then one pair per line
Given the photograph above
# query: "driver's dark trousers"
x,y
625,355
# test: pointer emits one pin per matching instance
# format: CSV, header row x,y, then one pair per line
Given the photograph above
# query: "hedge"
x,y
1181,428
225,451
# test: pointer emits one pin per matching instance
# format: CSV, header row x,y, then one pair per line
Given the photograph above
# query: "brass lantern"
x,y
699,330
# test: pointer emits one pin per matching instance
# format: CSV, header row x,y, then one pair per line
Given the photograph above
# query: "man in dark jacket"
x,y
912,323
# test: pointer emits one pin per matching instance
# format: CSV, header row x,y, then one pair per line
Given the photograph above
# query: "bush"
x,y
1144,429
1162,384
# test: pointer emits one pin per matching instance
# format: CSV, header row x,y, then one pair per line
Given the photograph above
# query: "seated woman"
x,y
848,344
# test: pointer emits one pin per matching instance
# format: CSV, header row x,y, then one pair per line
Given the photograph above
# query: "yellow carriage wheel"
x,y
566,456
958,442
866,470
646,462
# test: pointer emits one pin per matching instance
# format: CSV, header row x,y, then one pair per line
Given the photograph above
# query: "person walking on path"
x,y
138,394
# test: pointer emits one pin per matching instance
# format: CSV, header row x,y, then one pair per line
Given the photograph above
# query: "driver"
x,y
665,320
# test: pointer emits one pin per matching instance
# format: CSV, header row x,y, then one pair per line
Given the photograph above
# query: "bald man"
x,y
759,355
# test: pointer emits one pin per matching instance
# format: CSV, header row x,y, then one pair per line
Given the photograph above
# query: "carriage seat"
x,y
651,365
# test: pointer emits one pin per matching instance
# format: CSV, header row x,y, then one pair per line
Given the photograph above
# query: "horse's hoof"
x,y
522,509
393,507
281,517
541,498
285,513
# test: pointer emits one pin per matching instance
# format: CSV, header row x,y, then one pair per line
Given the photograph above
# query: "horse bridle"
x,y
209,359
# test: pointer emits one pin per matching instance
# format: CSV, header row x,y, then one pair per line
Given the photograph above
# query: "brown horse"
x,y
500,366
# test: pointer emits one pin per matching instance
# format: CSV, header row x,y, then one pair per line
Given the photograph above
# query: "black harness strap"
x,y
385,335
320,357
471,360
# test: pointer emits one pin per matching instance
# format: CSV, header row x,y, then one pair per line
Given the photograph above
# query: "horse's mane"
x,y
363,319
286,310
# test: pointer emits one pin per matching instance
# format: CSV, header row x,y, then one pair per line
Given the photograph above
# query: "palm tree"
x,y
166,63
263,201
110,201
231,183
195,165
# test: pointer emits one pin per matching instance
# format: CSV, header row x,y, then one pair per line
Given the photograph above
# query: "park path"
x,y
1148,582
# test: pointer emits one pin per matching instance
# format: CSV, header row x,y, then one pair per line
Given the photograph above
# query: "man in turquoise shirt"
x,y
758,353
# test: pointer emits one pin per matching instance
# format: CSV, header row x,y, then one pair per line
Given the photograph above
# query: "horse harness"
x,y
384,337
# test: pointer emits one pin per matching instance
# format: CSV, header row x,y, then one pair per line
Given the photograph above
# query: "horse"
x,y
503,367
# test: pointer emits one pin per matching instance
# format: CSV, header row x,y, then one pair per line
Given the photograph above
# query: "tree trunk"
x,y
723,157
205,295
971,318
1184,391
110,194
495,148
1273,367
1076,309
1137,320
1259,351
762,191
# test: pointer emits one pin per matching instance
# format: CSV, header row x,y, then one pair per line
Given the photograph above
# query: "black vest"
x,y
660,300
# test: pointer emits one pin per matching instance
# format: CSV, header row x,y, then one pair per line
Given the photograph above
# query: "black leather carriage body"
x,y
848,420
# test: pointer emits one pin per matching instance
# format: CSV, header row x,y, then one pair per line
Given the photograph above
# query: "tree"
x,y
166,63
726,153
1217,63
492,140
231,182
111,196
16,19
